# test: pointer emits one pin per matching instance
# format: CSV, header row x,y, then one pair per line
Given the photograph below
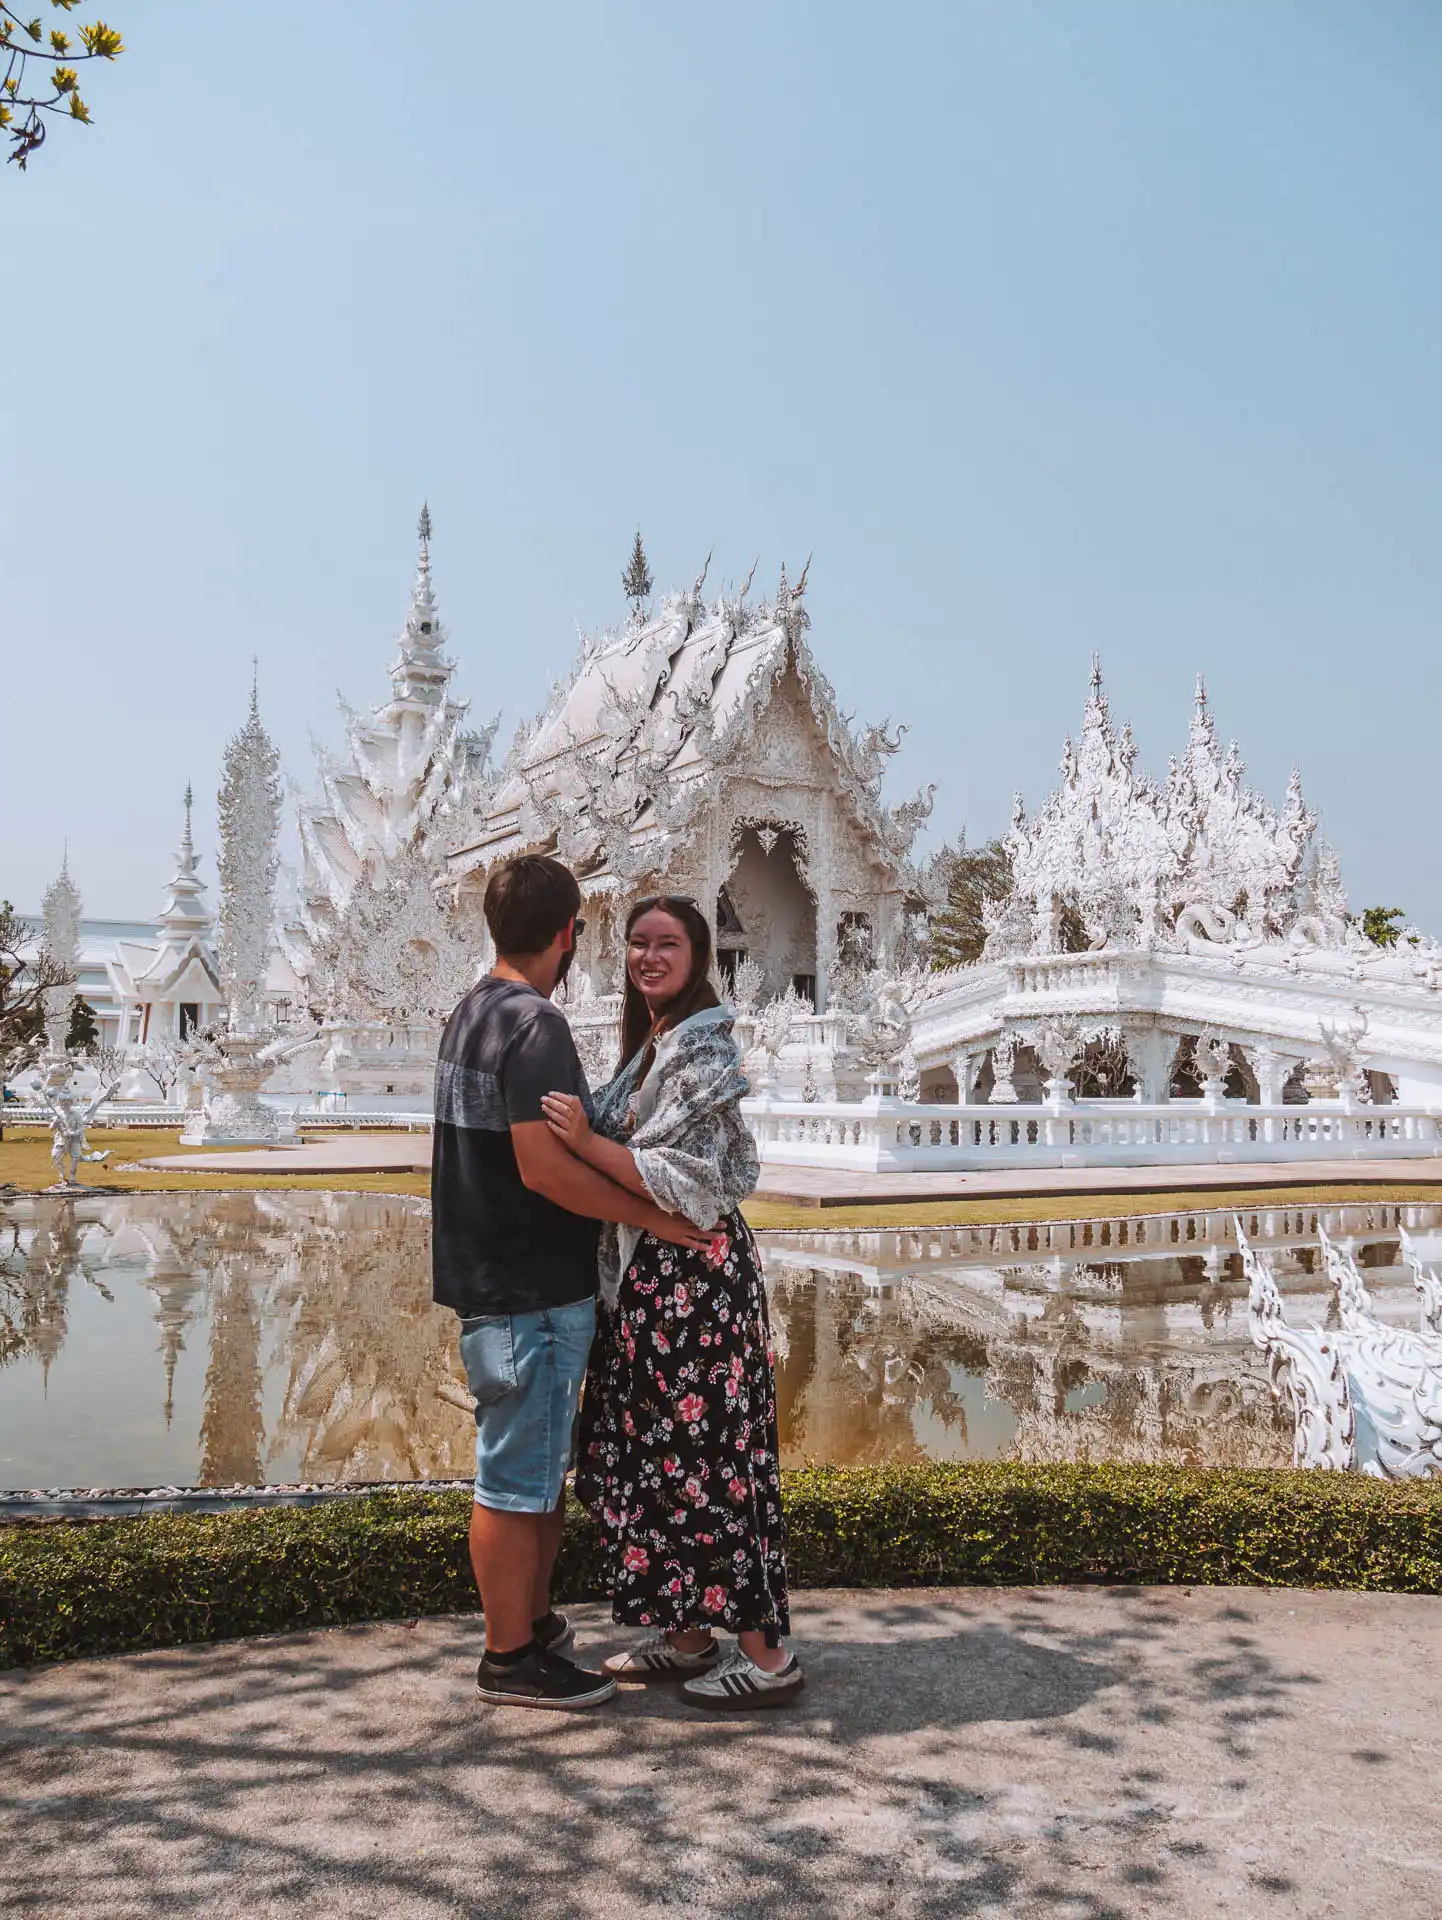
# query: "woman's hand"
x,y
566,1117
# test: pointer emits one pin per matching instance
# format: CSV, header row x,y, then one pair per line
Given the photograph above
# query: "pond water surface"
x,y
239,1338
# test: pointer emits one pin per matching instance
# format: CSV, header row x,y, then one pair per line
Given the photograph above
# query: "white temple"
x,y
1171,950
1163,940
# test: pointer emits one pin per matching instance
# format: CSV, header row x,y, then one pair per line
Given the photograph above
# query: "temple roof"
x,y
649,712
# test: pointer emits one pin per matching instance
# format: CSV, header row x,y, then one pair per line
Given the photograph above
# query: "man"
x,y
513,1237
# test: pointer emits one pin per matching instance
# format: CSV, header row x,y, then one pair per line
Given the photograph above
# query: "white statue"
x,y
70,1115
1367,1396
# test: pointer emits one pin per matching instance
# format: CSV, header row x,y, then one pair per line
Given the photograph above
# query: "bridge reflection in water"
x,y
238,1338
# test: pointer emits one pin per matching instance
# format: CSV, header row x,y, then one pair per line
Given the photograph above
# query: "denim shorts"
x,y
525,1370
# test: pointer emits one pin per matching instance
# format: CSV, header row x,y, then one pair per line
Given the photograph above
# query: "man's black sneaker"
x,y
542,1680
554,1634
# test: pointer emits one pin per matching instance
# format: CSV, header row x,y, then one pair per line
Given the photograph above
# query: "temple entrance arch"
x,y
766,909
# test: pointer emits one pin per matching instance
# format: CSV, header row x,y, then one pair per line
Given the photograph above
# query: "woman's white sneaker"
x,y
738,1683
656,1659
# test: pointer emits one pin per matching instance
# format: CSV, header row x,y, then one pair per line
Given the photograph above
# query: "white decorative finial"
x,y
1096,673
423,525
1201,691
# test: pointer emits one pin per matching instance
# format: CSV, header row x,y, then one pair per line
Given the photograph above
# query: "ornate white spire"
x,y
408,761
249,820
186,914
422,672
61,910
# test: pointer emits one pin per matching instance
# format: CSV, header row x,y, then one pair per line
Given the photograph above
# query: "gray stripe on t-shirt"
x,y
466,1097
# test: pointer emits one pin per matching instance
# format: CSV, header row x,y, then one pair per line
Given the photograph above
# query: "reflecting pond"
x,y
221,1339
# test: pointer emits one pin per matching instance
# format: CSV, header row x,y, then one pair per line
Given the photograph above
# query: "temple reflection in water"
x,y
235,1338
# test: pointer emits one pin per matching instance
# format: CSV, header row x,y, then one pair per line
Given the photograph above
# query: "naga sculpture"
x,y
1365,1396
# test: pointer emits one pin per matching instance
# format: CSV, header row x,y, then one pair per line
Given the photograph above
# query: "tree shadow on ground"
x,y
969,1754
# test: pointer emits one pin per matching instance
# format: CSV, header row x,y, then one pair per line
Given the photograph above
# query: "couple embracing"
x,y
600,1240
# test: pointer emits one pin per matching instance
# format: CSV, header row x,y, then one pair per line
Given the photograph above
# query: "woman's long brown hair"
x,y
638,1028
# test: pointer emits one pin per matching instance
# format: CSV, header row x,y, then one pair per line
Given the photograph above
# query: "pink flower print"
x,y
736,1363
675,1587
681,1297
691,1408
693,1485
671,1463
714,1600
628,1423
635,1560
706,1539
737,1491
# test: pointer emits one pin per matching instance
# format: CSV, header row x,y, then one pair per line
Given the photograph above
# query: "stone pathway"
x,y
1083,1754
821,1187
362,1151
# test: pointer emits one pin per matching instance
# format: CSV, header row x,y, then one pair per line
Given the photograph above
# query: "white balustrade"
x,y
884,1135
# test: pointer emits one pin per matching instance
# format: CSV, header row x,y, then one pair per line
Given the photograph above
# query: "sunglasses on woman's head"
x,y
665,900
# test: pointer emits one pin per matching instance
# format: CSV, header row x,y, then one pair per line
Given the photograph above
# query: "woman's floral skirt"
x,y
678,1455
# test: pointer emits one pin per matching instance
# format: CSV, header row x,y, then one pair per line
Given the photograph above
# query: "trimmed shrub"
x,y
71,1588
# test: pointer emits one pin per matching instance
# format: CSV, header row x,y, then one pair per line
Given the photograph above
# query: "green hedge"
x,y
73,1588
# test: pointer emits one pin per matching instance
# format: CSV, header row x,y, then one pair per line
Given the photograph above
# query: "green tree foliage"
x,y
83,1034
1380,925
636,581
38,76
974,876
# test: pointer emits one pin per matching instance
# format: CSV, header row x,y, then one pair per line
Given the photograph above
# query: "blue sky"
x,y
1048,327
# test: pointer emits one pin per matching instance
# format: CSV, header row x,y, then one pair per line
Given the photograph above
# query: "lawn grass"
x,y
25,1165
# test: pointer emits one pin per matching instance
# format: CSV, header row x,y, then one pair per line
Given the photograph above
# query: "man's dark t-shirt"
x,y
496,1247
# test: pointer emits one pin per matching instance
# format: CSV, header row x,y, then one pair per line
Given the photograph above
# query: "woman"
x,y
678,1449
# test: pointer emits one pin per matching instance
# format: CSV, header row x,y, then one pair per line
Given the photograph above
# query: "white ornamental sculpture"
x,y
1058,1044
1366,1396
70,1115
1427,1282
1342,1044
1003,1065
880,1029
70,1111
241,1056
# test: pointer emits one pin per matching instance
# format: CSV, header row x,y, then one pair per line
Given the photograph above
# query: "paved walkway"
x,y
362,1151
818,1187
1073,1753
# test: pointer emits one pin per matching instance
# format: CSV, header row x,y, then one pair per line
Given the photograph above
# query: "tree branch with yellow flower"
x,y
39,77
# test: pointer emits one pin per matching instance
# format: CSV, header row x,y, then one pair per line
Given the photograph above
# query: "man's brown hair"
x,y
528,902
